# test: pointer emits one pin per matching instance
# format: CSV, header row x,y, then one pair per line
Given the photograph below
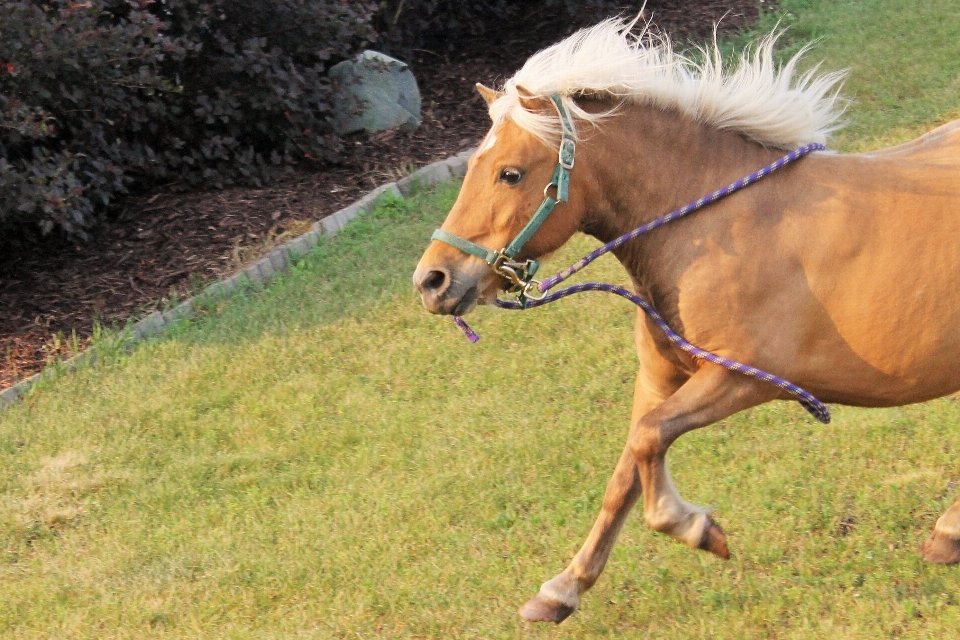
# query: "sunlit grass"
x,y
322,459
903,57
302,462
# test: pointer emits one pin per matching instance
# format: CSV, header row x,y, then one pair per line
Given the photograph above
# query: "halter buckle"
x,y
568,153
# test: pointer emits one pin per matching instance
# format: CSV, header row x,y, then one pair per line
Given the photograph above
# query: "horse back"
x,y
938,147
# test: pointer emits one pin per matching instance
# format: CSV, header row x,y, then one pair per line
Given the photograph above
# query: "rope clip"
x,y
520,275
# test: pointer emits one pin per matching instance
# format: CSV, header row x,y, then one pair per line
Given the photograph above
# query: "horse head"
x,y
502,189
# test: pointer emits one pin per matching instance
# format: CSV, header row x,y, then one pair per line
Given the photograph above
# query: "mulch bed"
x,y
164,244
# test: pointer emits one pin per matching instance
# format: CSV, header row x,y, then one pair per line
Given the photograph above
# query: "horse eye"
x,y
511,176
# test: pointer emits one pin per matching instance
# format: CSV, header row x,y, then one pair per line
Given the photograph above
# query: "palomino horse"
x,y
838,273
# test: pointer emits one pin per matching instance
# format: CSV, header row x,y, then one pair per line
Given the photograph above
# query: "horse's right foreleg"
x,y
943,545
713,393
558,597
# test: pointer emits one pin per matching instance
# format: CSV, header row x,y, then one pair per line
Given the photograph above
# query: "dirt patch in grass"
x,y
163,245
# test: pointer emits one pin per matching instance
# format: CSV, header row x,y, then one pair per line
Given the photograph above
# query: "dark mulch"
x,y
167,243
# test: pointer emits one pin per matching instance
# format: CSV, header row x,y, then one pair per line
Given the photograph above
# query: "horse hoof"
x,y
539,609
714,540
941,549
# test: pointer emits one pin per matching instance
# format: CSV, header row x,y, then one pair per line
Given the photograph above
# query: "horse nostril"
x,y
433,281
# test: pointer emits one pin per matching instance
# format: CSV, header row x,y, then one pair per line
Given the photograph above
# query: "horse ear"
x,y
531,103
488,94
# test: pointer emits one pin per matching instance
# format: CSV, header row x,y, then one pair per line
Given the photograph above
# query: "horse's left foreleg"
x,y
709,395
943,545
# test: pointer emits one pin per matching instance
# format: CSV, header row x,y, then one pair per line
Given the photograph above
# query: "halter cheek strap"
x,y
520,274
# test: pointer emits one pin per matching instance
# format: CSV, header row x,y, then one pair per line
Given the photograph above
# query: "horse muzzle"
x,y
447,292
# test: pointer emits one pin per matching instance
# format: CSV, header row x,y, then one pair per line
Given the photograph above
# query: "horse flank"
x,y
773,106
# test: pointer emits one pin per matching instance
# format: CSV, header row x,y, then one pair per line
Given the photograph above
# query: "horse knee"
x,y
645,444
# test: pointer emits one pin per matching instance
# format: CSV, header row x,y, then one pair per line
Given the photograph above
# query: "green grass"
x,y
322,459
903,57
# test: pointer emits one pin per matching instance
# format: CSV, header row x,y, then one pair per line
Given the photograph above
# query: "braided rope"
x,y
816,408
809,402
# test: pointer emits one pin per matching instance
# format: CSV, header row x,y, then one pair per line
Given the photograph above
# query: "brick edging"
x,y
261,271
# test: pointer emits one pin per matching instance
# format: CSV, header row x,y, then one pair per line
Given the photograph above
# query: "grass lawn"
x,y
322,459
903,57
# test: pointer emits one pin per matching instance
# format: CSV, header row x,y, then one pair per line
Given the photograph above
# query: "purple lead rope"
x,y
467,331
816,408
810,403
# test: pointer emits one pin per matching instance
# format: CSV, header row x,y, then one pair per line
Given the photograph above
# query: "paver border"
x,y
262,271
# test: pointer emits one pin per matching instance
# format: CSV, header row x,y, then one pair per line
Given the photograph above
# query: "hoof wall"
x,y
941,549
539,609
715,541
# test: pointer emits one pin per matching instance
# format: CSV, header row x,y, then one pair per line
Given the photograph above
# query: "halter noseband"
x,y
520,274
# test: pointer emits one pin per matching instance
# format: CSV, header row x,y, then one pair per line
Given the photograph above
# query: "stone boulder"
x,y
374,92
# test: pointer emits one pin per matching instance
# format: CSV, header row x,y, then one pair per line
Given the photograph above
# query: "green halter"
x,y
520,274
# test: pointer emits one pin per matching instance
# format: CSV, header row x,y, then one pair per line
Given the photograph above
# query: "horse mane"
x,y
756,98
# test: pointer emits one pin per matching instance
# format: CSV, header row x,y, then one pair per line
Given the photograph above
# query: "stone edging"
x,y
264,269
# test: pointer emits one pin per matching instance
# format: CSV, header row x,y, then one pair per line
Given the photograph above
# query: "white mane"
x,y
757,99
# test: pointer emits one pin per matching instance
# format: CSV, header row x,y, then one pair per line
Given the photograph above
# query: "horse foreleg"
x,y
943,545
558,597
708,396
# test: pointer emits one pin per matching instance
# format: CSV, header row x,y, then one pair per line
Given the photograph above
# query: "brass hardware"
x,y
520,276
532,291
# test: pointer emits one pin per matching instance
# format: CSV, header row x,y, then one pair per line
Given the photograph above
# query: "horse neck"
x,y
645,162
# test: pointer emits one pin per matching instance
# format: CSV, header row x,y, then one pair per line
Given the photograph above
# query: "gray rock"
x,y
297,248
266,268
182,310
376,93
312,238
11,395
458,163
253,272
87,357
425,177
149,326
278,258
